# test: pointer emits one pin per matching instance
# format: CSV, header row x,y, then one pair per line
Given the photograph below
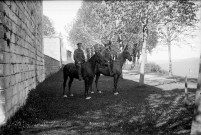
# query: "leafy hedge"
x,y
149,68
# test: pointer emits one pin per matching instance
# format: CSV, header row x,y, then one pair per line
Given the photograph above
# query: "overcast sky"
x,y
61,12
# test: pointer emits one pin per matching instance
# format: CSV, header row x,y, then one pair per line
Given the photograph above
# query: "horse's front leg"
x,y
96,81
90,85
86,82
64,85
69,86
116,78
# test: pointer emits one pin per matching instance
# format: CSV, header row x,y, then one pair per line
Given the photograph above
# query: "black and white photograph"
x,y
100,67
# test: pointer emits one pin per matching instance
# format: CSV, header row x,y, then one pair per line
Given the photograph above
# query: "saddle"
x,y
106,65
79,66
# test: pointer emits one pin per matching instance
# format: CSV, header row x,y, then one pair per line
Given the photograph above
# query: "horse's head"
x,y
98,58
126,55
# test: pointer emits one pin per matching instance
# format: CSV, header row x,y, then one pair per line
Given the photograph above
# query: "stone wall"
x,y
21,53
51,65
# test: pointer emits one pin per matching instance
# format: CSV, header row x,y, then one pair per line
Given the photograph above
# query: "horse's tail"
x,y
65,78
65,72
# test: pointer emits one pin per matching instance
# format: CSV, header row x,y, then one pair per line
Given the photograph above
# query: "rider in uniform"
x,y
79,59
107,54
97,48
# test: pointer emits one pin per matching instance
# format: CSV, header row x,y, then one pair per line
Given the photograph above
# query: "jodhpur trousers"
x,y
78,66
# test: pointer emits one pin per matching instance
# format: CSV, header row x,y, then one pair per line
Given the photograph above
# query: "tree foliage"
x,y
122,22
117,21
48,28
179,18
177,24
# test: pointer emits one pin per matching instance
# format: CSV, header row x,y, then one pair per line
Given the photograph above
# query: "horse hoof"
x,y
71,95
99,92
88,98
116,93
65,96
92,92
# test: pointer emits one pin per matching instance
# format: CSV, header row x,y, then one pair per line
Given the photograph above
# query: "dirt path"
x,y
146,110
163,82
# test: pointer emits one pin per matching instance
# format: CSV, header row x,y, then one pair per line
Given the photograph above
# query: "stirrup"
x,y
111,74
80,78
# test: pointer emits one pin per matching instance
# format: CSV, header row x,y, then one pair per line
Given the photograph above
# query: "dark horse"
x,y
87,70
116,68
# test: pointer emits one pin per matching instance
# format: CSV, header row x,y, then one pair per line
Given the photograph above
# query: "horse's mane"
x,y
120,56
92,58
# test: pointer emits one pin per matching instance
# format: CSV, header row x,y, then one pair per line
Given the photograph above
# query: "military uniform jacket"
x,y
107,54
79,56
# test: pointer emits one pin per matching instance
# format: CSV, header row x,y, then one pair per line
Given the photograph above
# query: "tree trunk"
x,y
143,56
170,59
133,61
196,124
138,56
60,42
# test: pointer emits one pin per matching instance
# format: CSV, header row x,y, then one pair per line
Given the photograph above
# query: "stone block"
x,y
9,93
2,6
18,66
21,87
13,6
16,78
2,96
13,37
5,69
12,80
2,83
14,100
4,57
8,105
2,31
14,68
11,47
16,107
2,70
15,89
3,46
8,3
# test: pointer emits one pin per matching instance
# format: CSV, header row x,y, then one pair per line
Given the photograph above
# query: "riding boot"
x,y
110,70
79,72
121,76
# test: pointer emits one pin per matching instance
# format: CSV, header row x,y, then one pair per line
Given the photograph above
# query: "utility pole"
x,y
60,36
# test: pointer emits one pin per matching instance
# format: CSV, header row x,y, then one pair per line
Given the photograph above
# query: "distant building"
x,y
52,47
67,51
57,52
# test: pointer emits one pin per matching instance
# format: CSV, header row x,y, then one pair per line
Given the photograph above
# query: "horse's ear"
x,y
126,48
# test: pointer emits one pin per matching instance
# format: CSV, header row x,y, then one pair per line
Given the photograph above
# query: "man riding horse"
x,y
79,59
107,55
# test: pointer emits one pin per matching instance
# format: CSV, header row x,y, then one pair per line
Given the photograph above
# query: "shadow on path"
x,y
147,110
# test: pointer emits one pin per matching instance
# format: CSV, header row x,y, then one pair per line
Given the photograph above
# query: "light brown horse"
x,y
87,71
116,68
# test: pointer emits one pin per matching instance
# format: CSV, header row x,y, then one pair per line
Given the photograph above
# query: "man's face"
x,y
79,46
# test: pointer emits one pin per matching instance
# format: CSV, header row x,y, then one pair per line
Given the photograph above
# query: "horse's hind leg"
x,y
96,81
86,88
90,85
116,78
65,76
69,86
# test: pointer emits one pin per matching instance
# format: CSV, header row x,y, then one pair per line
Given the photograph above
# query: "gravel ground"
x,y
156,109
